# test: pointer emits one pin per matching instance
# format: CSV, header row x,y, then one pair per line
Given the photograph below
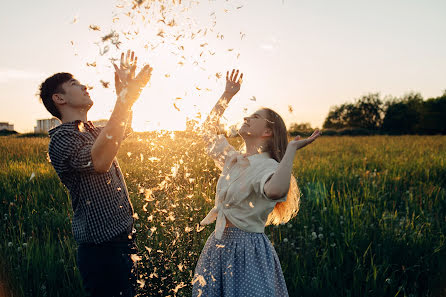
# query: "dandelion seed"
x,y
32,176
94,28
290,108
251,204
199,228
129,154
179,286
135,257
200,279
9,244
135,216
105,84
119,189
75,19
141,283
285,240
220,246
87,165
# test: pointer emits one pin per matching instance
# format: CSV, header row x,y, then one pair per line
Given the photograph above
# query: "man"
x,y
84,158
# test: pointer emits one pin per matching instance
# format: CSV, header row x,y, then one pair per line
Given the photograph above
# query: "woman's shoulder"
x,y
263,160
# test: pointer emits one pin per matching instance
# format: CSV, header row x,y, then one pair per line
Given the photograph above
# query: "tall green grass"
x,y
372,220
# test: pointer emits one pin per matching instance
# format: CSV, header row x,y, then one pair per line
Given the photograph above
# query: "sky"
x,y
298,57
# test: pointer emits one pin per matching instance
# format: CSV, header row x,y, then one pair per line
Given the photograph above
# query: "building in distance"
x,y
44,125
6,126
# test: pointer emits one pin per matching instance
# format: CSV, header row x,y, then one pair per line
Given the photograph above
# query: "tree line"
x,y
370,114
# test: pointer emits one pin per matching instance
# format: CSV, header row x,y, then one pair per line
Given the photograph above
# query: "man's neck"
x,y
74,115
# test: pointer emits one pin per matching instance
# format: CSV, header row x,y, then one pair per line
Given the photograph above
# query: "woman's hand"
x,y
298,143
233,83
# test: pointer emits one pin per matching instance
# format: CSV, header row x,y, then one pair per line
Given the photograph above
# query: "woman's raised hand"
x,y
233,82
299,143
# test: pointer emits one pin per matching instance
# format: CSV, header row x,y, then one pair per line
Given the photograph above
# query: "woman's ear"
x,y
268,132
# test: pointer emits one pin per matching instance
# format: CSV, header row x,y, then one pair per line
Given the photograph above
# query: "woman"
x,y
255,189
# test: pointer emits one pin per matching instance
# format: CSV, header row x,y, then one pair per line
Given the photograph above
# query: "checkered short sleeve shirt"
x,y
100,201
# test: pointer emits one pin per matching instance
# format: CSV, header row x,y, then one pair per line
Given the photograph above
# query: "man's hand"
x,y
129,87
232,83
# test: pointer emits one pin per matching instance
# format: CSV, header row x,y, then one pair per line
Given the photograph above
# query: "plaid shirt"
x,y
101,205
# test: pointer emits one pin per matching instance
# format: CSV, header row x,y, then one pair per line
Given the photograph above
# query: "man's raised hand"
x,y
129,87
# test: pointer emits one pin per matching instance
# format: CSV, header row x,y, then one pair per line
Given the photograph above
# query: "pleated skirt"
x,y
240,264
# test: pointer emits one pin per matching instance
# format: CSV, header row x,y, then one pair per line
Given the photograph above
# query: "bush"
x,y
5,132
33,135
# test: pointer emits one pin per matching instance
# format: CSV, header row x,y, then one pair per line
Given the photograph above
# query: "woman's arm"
x,y
232,87
218,147
279,183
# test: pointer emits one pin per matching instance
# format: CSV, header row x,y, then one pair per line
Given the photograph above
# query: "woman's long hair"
x,y
276,147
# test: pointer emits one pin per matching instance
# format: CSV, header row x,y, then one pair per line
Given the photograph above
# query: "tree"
x,y
295,127
366,113
404,115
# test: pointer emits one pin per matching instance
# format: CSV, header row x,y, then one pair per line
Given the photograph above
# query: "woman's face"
x,y
255,125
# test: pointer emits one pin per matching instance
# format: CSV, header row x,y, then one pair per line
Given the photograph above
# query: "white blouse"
x,y
239,195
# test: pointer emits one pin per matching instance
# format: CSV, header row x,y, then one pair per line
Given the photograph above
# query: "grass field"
x,y
372,219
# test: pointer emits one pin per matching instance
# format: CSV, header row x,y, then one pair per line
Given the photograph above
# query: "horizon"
x,y
315,55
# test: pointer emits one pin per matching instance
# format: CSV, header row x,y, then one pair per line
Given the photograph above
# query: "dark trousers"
x,y
107,269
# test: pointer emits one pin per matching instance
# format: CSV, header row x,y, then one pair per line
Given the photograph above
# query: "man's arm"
x,y
109,140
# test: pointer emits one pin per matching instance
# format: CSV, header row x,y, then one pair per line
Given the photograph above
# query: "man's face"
x,y
76,94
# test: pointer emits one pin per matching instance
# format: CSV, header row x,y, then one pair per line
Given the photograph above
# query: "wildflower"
x,y
313,235
321,236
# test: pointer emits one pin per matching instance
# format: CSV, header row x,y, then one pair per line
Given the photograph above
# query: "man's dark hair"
x,y
53,85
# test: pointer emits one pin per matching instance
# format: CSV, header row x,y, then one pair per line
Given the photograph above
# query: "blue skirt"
x,y
240,264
